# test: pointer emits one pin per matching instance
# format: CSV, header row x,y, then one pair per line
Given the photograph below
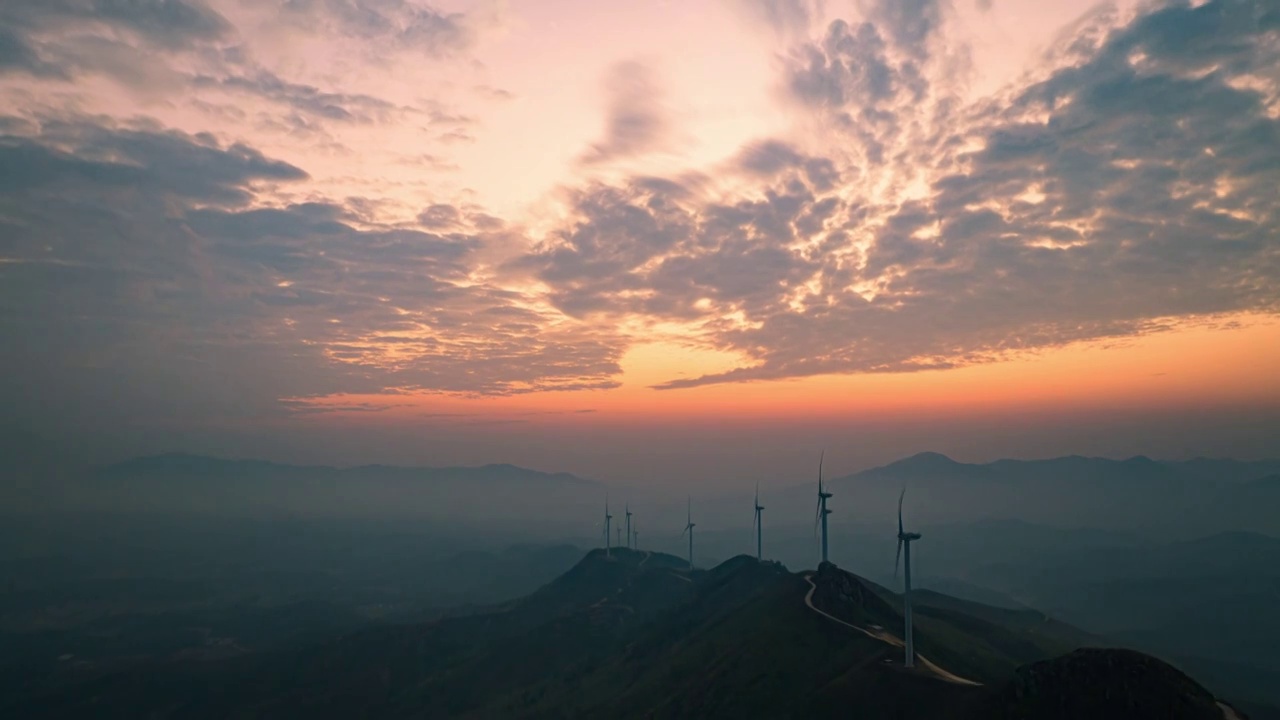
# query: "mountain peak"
x,y
925,462
929,458
1140,460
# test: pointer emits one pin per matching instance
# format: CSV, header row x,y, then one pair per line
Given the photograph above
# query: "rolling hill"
x,y
637,635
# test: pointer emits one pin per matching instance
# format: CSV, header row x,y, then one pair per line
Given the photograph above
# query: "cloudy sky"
x,y
642,239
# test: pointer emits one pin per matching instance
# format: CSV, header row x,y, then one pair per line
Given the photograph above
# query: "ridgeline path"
x,y
885,637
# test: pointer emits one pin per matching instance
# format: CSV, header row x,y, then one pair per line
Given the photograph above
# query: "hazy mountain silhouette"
x,y
180,465
1270,482
1136,494
184,483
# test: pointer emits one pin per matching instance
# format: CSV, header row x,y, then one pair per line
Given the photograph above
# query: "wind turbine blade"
x,y
896,559
904,494
821,456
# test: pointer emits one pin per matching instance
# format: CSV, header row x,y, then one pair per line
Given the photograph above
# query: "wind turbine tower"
x,y
757,523
635,537
607,518
822,512
628,507
904,553
688,528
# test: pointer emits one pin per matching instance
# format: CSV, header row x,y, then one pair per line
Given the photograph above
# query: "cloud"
x,y
908,23
661,250
308,99
855,80
50,37
153,273
430,162
1125,192
786,17
16,54
1105,216
390,24
636,122
493,93
149,163
770,157
171,50
164,23
455,136
440,217
145,276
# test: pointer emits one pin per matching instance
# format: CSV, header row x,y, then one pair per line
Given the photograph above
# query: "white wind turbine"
x,y
904,541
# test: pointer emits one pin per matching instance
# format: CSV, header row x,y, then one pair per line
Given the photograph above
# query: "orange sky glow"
x,y
1227,361
235,225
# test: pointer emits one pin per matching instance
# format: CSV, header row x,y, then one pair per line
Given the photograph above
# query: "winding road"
x,y
885,638
1228,713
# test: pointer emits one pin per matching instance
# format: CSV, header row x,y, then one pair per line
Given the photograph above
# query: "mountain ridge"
x,y
1252,469
1237,470
632,634
182,461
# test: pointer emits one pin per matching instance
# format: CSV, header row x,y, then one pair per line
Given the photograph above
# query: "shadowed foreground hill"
x,y
636,635
1102,684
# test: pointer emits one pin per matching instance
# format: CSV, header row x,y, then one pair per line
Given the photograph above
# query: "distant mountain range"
x,y
1137,495
449,496
179,465
1209,469
1190,497
637,635
920,465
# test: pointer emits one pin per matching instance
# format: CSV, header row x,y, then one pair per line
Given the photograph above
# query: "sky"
x,y
650,241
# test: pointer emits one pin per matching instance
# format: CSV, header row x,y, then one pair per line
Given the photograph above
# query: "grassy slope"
x,y
746,646
975,641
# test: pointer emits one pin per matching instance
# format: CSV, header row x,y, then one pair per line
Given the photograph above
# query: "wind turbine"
x,y
607,518
904,540
822,512
756,522
688,528
628,507
635,537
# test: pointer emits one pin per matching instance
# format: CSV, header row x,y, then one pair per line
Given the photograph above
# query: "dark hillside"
x,y
636,635
1101,684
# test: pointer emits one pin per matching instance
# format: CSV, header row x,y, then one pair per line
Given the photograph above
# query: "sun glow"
x,y
1220,360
